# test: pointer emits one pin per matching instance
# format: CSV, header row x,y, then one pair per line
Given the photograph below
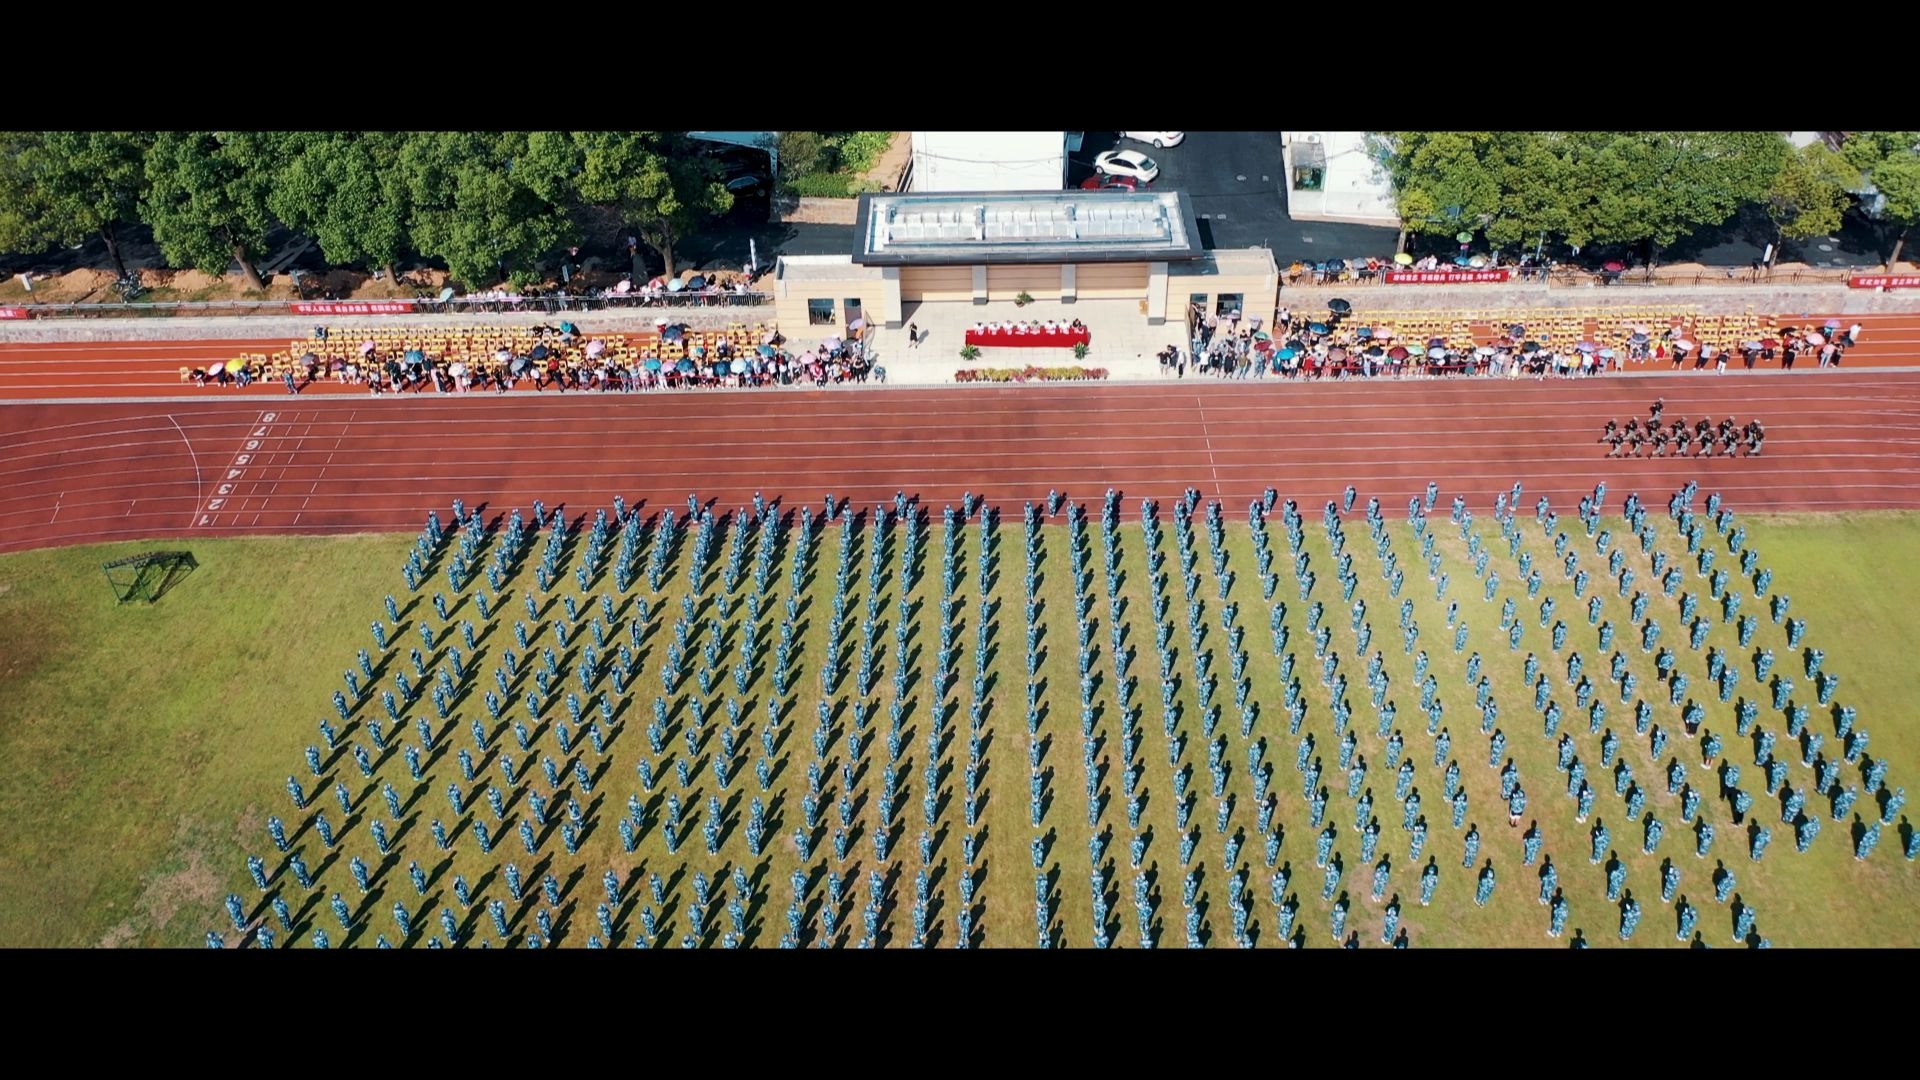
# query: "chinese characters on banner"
x,y
356,307
1445,277
1884,281
15,313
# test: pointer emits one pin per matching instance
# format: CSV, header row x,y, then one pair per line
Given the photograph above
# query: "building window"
x,y
852,306
820,313
1228,304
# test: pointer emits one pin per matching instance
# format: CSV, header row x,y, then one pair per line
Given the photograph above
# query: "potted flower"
x,y
1023,299
969,352
1079,350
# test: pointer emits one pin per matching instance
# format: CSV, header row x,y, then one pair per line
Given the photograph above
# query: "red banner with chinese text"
x,y
1445,277
1884,281
354,307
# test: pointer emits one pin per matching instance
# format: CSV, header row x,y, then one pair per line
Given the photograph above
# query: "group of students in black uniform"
x,y
1656,438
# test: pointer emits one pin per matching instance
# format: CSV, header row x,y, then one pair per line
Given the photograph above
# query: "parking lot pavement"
x,y
1235,181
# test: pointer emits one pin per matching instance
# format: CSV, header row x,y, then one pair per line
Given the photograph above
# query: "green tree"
x,y
1809,195
1866,150
801,153
207,198
1898,180
347,191
1442,181
1890,161
1654,187
478,204
656,182
62,188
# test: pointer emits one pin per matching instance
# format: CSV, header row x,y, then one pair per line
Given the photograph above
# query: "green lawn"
x,y
142,748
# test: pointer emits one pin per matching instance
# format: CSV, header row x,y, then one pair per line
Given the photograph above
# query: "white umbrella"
x,y
596,347
1435,354
1816,339
1682,344
456,368
1485,350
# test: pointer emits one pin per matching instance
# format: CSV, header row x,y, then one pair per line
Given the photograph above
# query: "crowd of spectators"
x,y
1336,346
540,358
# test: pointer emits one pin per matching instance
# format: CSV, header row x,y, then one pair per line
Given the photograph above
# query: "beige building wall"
x,y
1250,273
919,283
1007,282
1111,281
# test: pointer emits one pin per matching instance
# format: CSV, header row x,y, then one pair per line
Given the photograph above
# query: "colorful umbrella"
x,y
739,366
685,365
1364,333
1613,267
1816,339
652,363
596,347
366,347
1832,324
1398,352
766,350
1770,343
1435,354
1316,328
1682,344
1375,351
1339,307
1606,354
1585,346
1638,339
217,367
1403,259
1485,350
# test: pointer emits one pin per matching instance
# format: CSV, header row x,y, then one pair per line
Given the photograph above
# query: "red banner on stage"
x,y
354,307
1445,277
1884,281
1058,339
15,313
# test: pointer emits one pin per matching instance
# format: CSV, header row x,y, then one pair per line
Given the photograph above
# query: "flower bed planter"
x,y
1029,374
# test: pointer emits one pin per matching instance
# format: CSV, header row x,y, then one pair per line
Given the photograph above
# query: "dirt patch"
x,y
189,882
252,824
120,937
892,162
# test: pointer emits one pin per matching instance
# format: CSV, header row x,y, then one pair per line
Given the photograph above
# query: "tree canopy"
x,y
63,188
1890,162
207,198
492,205
1580,187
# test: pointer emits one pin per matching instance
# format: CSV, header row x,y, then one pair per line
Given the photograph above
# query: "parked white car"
x,y
1131,163
1159,140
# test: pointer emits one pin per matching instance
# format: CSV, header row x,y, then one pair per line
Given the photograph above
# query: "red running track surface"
x,y
152,368
74,473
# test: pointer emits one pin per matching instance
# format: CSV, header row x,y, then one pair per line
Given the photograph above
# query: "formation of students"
x,y
1657,438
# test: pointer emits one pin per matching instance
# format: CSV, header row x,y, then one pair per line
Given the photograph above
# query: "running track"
x,y
224,465
120,369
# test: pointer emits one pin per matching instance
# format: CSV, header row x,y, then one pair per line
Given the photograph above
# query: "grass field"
x,y
142,748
